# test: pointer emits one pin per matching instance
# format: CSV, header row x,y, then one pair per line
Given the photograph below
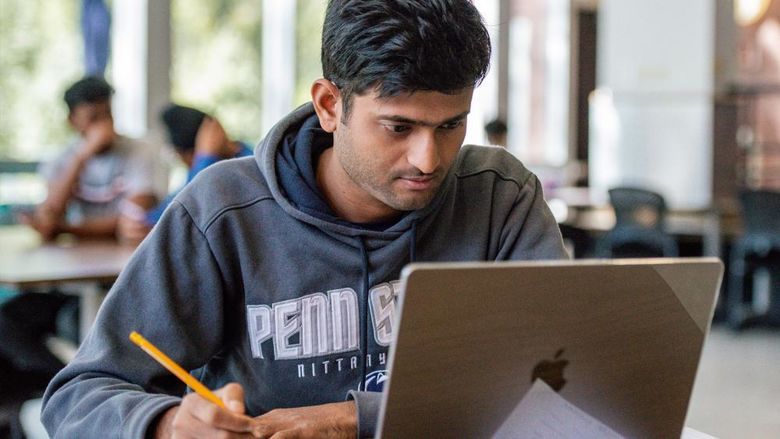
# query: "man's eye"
x,y
452,125
397,128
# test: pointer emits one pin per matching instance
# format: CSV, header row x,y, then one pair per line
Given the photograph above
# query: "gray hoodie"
x,y
239,283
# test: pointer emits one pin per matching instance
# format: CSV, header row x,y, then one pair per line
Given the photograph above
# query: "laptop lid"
x,y
619,339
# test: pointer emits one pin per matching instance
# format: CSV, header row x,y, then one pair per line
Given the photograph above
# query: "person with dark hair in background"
x,y
200,141
496,132
88,185
275,276
90,182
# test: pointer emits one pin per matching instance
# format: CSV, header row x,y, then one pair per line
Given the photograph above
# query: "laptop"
x,y
618,339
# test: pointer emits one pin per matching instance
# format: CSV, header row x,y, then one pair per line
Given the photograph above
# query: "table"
x,y
702,223
579,208
26,261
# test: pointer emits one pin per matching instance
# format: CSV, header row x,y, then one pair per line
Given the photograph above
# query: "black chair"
x,y
638,231
757,248
580,240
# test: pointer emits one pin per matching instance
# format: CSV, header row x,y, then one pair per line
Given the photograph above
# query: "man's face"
x,y
88,114
396,151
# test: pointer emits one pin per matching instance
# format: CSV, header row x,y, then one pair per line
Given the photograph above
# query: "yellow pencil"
x,y
175,369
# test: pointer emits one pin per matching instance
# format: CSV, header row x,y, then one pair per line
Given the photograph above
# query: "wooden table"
x,y
577,207
26,261
703,223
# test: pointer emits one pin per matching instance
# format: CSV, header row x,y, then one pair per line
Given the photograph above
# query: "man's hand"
x,y
131,230
336,420
43,221
198,418
131,227
98,137
211,139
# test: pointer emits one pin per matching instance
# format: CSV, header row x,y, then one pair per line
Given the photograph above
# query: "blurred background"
x,y
654,126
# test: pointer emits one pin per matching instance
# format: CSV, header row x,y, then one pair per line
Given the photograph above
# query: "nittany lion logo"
x,y
375,381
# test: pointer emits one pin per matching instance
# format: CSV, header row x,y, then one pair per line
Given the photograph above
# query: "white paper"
x,y
690,433
544,414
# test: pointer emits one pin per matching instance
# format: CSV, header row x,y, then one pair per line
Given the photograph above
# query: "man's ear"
x,y
326,98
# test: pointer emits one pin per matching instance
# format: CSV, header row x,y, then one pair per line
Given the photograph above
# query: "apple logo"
x,y
551,371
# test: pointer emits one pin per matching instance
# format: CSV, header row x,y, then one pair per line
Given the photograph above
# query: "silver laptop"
x,y
619,339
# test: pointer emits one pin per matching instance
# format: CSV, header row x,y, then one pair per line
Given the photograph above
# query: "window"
x,y
40,56
308,28
215,62
539,81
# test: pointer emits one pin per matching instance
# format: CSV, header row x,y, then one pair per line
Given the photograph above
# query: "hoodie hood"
x,y
296,161
288,155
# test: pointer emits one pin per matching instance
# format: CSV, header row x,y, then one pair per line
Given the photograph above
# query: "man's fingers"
x,y
216,417
262,431
233,397
211,138
334,420
285,434
187,425
206,131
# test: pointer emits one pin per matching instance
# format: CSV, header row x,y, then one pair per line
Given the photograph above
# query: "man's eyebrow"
x,y
406,120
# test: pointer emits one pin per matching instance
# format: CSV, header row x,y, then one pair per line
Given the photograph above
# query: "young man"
x,y
275,276
200,141
89,183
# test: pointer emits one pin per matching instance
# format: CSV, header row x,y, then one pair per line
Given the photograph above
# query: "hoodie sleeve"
x,y
530,231
172,293
367,405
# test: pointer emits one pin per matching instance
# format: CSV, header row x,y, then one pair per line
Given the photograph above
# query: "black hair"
x,y
496,126
402,46
183,124
87,90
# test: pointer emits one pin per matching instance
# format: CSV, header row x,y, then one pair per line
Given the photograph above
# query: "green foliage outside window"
x,y
215,62
40,56
308,35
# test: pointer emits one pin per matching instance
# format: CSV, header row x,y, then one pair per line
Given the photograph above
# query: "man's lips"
x,y
422,182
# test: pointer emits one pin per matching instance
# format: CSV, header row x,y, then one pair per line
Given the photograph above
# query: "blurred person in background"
x,y
496,132
88,186
200,141
99,173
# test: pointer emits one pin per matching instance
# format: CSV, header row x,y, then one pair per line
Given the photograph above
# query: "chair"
x,y
638,230
758,247
579,239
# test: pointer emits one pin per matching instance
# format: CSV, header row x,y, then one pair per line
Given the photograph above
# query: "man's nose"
x,y
423,153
